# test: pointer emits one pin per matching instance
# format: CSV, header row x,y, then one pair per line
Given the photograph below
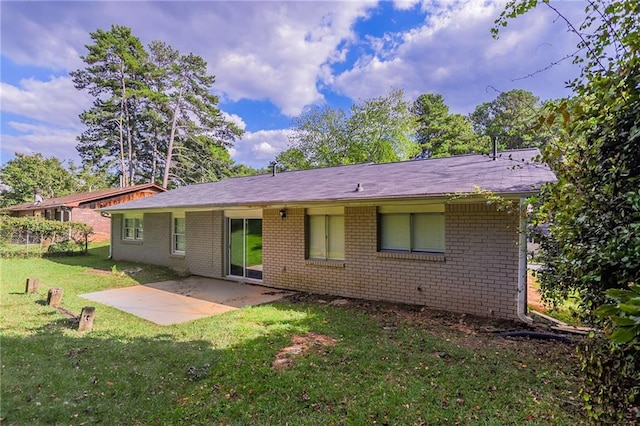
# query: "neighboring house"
x,y
84,207
418,232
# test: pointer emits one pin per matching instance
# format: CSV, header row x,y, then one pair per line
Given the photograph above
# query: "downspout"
x,y
111,236
522,265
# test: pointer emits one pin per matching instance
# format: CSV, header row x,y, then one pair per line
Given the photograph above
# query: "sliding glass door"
x,y
245,248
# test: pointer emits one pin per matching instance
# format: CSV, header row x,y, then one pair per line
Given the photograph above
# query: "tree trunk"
x,y
174,126
123,165
132,172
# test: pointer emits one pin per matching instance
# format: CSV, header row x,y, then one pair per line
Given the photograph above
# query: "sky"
x,y
273,59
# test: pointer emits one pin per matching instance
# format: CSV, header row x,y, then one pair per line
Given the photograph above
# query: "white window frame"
x,y
411,246
175,235
329,243
137,228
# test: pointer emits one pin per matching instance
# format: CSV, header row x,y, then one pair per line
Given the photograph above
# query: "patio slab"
x,y
174,302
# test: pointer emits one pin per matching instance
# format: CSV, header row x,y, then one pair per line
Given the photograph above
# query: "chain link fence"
x,y
29,236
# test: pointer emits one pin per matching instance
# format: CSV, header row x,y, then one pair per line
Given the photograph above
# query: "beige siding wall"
x,y
478,273
154,249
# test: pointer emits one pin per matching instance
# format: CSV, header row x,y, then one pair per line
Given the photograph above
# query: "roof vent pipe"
x,y
37,199
274,168
359,188
495,147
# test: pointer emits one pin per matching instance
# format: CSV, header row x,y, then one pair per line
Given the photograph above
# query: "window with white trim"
x,y
178,236
412,232
132,228
325,237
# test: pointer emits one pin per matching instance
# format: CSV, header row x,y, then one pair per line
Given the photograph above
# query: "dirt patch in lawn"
x,y
301,345
534,300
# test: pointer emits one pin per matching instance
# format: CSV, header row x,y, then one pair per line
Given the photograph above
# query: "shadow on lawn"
x,y
220,370
97,260
57,375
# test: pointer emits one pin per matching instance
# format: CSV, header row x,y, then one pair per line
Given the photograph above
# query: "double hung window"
x,y
325,236
178,237
412,232
132,228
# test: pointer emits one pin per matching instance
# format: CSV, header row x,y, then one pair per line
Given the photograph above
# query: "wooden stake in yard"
x,y
54,297
86,318
32,285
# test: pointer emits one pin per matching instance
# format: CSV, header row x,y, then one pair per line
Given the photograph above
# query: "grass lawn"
x,y
302,361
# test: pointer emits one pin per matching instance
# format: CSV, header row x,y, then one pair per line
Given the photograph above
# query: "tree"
x,y
440,133
25,173
89,179
154,116
593,246
375,130
196,124
114,76
510,118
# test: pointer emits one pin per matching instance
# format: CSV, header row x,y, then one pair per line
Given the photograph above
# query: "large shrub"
x,y
610,361
33,236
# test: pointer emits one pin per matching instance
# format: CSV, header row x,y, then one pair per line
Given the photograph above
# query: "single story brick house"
x,y
418,232
84,207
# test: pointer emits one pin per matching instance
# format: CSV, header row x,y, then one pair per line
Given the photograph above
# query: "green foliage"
x,y
376,130
594,207
52,236
593,246
510,118
440,133
500,203
612,365
624,314
115,62
611,389
25,173
90,179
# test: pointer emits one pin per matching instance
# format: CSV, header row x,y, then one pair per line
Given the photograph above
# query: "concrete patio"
x,y
174,302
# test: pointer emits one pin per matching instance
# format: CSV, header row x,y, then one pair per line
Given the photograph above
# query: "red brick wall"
x,y
101,225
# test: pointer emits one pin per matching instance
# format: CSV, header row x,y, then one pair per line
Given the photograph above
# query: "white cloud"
x,y
285,53
30,139
257,149
283,62
235,119
55,101
54,43
257,50
405,4
453,54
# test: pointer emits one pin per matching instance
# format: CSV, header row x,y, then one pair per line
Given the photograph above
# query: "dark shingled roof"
x,y
511,173
74,200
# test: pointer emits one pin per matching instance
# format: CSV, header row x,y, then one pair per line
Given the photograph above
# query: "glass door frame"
x,y
229,265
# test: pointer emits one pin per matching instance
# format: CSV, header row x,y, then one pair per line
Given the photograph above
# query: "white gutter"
x,y
522,265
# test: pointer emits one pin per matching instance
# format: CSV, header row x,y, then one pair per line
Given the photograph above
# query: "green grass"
x,y
389,365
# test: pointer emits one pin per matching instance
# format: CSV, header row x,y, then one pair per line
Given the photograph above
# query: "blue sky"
x,y
272,59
